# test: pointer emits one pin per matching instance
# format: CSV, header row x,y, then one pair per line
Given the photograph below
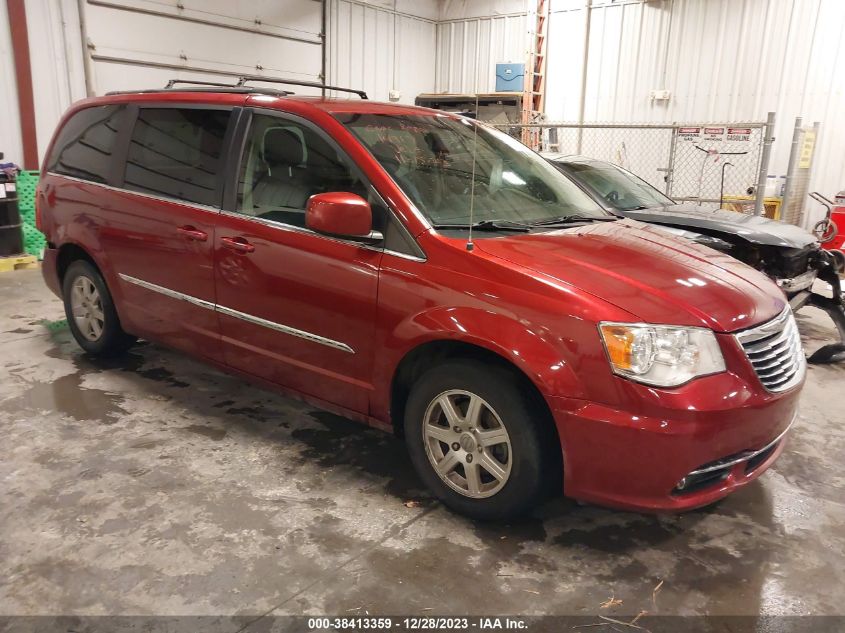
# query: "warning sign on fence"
x,y
714,134
739,134
689,133
806,157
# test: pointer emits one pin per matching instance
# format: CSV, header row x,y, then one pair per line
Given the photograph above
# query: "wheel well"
x,y
419,360
422,358
69,253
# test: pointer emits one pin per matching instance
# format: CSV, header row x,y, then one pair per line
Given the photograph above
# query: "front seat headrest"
x,y
282,147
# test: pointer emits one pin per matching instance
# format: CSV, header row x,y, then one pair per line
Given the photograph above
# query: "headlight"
x,y
662,355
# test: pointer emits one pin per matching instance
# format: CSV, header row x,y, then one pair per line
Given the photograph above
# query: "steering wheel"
x,y
612,196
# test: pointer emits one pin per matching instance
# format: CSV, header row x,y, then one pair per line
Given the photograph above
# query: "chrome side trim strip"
x,y
412,258
308,336
744,457
173,294
249,318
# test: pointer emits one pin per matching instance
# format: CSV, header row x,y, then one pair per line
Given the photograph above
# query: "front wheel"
x,y
478,441
90,312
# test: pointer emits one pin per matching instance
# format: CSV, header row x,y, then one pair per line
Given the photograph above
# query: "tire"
x,y
90,312
526,454
825,230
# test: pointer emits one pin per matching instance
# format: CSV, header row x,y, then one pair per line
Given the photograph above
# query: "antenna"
x,y
470,245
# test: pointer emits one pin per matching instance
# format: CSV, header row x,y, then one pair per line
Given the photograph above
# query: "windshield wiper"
x,y
489,225
575,217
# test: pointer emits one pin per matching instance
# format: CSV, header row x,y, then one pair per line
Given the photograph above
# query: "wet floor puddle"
x,y
67,396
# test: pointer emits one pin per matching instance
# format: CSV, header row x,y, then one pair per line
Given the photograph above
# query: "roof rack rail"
x,y
308,84
221,88
239,87
193,82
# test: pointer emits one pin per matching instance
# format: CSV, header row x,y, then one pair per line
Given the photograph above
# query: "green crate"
x,y
26,183
33,241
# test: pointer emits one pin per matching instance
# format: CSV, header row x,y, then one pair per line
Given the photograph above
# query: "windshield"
x,y
621,189
431,158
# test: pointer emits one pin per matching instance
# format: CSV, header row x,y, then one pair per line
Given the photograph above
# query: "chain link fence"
x,y
713,164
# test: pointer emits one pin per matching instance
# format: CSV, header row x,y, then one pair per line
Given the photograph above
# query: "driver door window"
x,y
284,164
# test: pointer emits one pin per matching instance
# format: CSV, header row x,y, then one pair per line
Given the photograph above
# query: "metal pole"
x,y
16,10
86,54
323,20
585,59
670,171
722,184
790,171
768,139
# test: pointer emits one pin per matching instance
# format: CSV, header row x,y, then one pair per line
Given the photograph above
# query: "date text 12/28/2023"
x,y
425,623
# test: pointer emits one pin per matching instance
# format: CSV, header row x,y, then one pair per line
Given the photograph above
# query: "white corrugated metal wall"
x,y
722,60
56,59
469,49
472,37
382,47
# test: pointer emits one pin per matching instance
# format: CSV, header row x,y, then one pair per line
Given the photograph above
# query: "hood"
x,y
754,229
644,271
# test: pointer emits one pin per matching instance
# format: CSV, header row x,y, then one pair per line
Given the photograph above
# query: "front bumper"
x,y
675,450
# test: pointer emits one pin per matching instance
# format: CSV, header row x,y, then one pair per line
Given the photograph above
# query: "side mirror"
x,y
341,214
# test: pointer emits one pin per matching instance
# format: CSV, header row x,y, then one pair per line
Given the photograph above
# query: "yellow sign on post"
x,y
807,149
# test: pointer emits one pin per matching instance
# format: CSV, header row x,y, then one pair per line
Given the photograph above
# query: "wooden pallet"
x,y
17,262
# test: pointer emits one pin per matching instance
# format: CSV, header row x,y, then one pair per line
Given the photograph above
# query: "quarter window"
x,y
85,146
176,153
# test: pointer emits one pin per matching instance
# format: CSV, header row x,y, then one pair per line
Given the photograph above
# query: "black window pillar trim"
x,y
233,149
226,156
117,173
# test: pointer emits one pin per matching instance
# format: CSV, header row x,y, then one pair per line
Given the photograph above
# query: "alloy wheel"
x,y
467,444
87,308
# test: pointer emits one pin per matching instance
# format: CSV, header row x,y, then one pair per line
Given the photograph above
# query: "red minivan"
x,y
426,275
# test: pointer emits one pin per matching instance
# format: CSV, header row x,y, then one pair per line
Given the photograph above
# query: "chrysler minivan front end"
x,y
685,364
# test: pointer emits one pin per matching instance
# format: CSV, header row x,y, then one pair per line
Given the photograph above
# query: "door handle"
x,y
237,244
192,233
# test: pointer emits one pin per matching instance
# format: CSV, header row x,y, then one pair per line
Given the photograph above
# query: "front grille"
x,y
774,350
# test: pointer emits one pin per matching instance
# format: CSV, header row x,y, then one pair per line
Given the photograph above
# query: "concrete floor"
x,y
155,485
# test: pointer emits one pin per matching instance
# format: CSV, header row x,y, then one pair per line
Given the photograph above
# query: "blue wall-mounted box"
x,y
510,77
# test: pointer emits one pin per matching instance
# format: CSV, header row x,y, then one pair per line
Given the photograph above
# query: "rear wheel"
x,y
90,312
477,440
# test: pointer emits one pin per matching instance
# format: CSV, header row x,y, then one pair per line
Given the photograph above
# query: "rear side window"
x,y
86,143
176,153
